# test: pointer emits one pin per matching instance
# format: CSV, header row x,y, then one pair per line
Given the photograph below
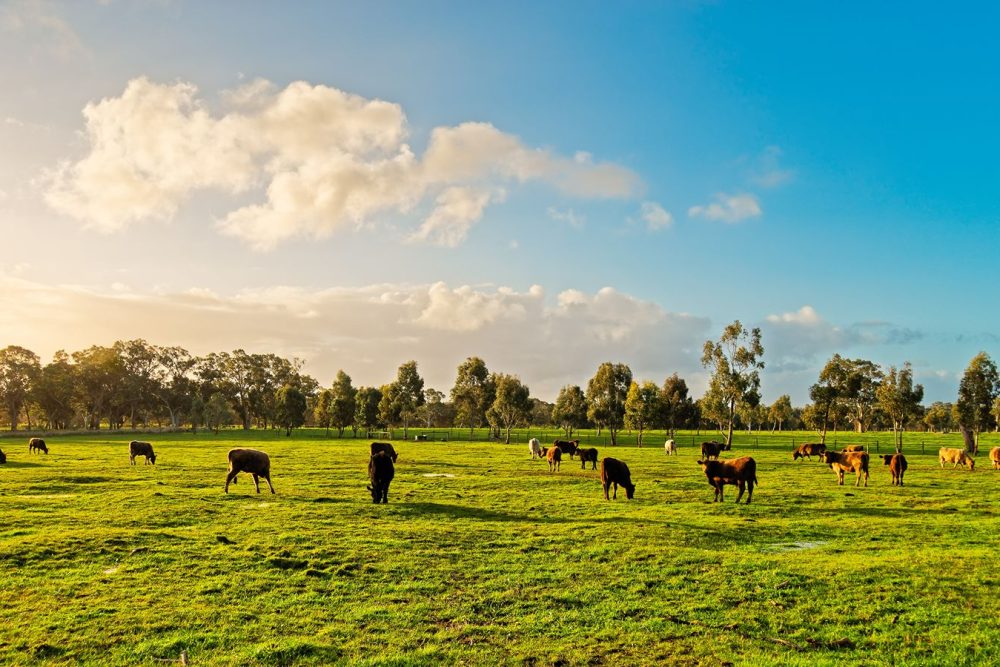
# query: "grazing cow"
x,y
587,454
897,466
554,455
955,456
380,472
670,447
741,472
535,448
808,450
383,447
995,457
615,472
37,445
252,461
711,450
841,462
567,446
139,448
3,457
853,448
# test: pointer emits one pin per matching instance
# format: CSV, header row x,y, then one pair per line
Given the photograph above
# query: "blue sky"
x,y
852,150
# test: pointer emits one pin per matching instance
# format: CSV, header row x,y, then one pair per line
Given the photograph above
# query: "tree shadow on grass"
x,y
20,464
881,511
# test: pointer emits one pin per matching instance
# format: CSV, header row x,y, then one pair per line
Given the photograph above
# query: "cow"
x,y
808,450
587,454
615,472
567,446
670,447
853,448
535,448
37,445
711,450
252,461
955,456
841,462
377,447
897,466
380,473
741,472
995,457
554,455
139,448
3,457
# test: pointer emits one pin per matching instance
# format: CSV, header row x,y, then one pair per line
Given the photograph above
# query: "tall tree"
x,y
606,394
643,408
512,405
218,413
977,389
366,411
735,364
433,408
938,417
172,384
900,399
100,373
19,370
780,412
570,411
323,409
343,404
472,394
290,404
678,408
55,391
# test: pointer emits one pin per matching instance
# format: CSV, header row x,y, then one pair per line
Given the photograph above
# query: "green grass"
x,y
104,563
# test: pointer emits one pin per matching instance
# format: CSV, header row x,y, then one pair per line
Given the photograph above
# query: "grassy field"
x,y
483,557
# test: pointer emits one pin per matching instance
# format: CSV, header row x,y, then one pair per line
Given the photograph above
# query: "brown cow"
x,y
377,447
252,461
567,446
615,472
842,462
956,456
808,450
711,450
995,457
741,472
897,466
380,473
587,454
139,448
853,448
554,456
37,445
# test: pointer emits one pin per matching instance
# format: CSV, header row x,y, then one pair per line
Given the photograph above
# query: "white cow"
x,y
535,448
670,447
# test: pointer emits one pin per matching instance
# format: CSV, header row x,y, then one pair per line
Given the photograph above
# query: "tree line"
x,y
136,384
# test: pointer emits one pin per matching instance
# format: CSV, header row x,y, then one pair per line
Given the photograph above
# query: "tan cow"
x,y
841,462
995,457
808,450
853,448
554,456
956,457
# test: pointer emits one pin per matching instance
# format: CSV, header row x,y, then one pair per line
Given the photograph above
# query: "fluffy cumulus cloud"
x,y
311,159
368,331
655,216
728,208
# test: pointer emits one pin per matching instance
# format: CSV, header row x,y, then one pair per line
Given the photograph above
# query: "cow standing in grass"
x,y
380,473
741,472
616,473
251,461
554,456
386,447
955,456
139,448
670,447
711,450
995,458
535,448
37,445
587,454
841,462
897,466
808,450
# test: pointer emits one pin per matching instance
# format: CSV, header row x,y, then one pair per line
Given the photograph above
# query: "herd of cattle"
x,y
739,472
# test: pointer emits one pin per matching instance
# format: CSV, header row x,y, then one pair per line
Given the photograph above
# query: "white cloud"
x,y
655,216
369,331
768,172
42,30
324,160
569,216
728,208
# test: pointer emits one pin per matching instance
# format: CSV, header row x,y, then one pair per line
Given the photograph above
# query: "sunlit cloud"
x,y
728,208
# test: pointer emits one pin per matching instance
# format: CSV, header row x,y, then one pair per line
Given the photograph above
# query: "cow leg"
x,y
256,482
749,490
742,487
385,493
583,464
593,464
267,478
615,494
605,485
231,477
840,478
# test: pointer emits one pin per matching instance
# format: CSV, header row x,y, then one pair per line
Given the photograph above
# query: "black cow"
x,y
380,472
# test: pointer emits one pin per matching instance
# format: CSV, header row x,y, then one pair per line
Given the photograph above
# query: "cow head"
x,y
796,455
630,491
971,462
886,459
152,459
824,457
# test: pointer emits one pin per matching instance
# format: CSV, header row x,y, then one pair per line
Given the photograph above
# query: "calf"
x,y
554,455
252,461
380,472
741,472
535,448
37,445
616,472
383,447
841,462
955,456
853,448
897,466
567,446
138,448
995,458
587,454
808,450
670,447
711,450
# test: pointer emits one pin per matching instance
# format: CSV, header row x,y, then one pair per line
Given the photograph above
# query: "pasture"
x,y
483,557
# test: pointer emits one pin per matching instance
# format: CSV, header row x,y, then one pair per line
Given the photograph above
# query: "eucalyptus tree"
x,y
473,393
899,399
735,364
402,398
977,390
780,412
290,408
643,408
606,395
570,410
512,404
678,408
343,404
55,391
19,370
366,410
